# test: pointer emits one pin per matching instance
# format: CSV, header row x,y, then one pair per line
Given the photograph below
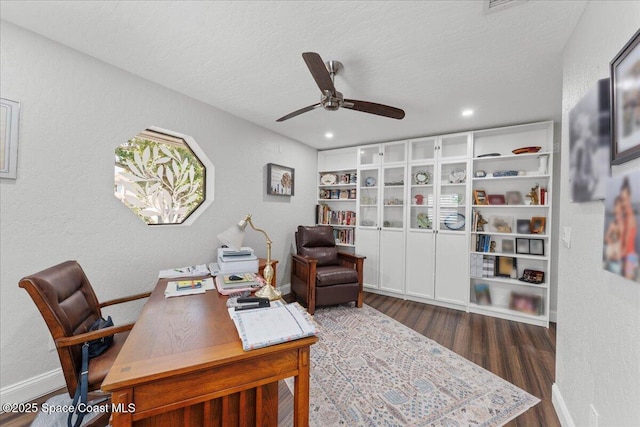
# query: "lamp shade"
x,y
232,237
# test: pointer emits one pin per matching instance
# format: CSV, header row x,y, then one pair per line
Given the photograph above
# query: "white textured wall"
x,y
74,111
598,341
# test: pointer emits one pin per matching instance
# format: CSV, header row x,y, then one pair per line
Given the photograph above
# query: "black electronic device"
x,y
249,303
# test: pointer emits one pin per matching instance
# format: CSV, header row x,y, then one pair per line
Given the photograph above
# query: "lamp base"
x,y
270,292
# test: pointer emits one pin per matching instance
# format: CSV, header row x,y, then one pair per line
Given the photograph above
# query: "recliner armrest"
x,y
303,259
350,257
124,299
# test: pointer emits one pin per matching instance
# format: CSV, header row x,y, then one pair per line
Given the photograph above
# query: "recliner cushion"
x,y
335,275
317,243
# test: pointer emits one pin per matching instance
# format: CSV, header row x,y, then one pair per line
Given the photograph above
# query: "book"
x,y
238,279
228,255
273,325
236,286
219,282
182,285
172,288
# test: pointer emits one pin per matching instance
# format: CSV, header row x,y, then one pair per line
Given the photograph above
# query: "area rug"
x,y
370,370
54,412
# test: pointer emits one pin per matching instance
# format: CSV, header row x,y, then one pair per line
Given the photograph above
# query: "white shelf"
x,y
526,236
513,178
354,185
504,254
505,313
510,156
345,245
510,206
421,185
336,200
509,281
340,226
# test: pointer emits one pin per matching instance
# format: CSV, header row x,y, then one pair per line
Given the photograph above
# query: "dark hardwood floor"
x,y
521,354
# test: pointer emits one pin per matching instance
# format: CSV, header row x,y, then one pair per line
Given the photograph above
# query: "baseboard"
x,y
33,388
553,316
561,409
285,289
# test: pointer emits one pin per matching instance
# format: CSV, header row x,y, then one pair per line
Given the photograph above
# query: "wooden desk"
x,y
183,364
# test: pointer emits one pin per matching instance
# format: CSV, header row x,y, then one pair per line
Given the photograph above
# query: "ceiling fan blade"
x,y
319,72
298,112
373,108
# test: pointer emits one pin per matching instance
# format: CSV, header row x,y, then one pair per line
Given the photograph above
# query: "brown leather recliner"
x,y
322,276
69,307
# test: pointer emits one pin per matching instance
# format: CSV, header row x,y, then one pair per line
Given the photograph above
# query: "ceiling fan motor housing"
x,y
330,102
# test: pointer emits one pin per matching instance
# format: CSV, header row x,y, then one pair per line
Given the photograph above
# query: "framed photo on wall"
x,y
280,180
625,114
9,115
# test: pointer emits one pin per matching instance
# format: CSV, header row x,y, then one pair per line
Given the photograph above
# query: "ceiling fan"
x,y
331,99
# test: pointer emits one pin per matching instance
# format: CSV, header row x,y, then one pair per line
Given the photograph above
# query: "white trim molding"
x,y
561,408
33,388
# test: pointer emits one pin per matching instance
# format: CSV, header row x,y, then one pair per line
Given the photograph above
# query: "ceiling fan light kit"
x,y
333,100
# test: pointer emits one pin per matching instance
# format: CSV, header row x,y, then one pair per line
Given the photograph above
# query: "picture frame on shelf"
x,y
526,303
280,180
501,224
625,137
523,226
514,198
480,197
505,266
496,199
507,246
523,246
483,294
537,224
536,247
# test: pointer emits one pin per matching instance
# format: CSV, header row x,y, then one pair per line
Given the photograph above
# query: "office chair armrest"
x,y
92,335
124,299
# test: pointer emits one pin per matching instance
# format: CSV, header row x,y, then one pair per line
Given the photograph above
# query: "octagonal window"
x,y
162,177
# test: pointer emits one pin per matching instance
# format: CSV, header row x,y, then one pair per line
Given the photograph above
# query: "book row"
x,y
325,216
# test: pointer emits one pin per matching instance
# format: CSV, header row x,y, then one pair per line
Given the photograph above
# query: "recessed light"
x,y
328,135
467,113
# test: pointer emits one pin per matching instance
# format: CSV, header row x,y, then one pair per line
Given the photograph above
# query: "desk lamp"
x,y
233,238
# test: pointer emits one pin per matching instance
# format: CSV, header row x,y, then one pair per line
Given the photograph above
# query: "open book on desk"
x,y
269,326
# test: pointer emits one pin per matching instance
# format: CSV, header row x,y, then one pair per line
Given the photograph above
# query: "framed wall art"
x,y
625,114
9,115
280,180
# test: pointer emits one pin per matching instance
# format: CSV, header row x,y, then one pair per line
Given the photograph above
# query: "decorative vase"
x,y
542,164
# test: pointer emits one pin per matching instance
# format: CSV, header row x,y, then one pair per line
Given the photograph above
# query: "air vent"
x,y
498,5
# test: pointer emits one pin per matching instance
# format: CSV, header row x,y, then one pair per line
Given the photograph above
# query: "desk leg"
x,y
122,412
301,390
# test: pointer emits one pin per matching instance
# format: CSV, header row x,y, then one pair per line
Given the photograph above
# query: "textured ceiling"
x,y
430,58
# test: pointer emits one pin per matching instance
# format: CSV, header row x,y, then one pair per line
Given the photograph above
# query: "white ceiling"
x,y
430,58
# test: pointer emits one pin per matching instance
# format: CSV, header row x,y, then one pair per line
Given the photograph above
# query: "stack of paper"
x,y
243,261
219,282
178,288
274,325
191,271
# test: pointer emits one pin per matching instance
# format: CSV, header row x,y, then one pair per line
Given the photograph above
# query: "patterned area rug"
x,y
370,370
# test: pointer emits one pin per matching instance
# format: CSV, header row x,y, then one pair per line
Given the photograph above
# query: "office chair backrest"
x,y
318,243
69,307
